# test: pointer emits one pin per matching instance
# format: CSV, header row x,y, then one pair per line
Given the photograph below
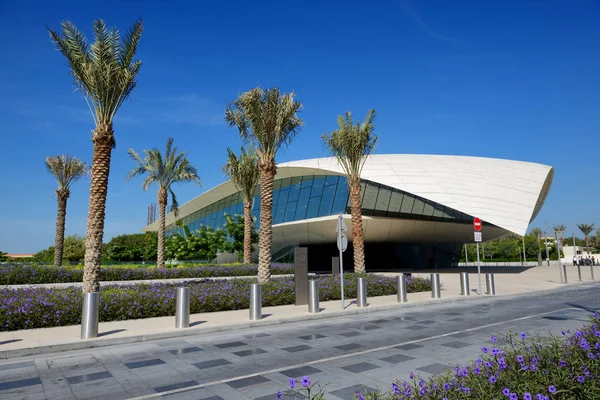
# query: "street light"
x,y
558,235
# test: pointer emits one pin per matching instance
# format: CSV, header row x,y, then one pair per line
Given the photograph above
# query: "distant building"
x,y
18,256
417,210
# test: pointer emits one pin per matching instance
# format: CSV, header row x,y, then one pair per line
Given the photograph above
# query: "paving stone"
x,y
348,347
89,377
435,368
251,352
245,382
409,346
18,365
379,321
461,335
350,334
397,358
415,327
175,386
370,327
211,364
145,363
295,349
300,371
257,335
230,345
185,350
349,392
312,337
360,367
20,383
456,344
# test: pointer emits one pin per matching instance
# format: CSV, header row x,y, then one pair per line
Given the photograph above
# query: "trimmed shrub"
x,y
28,308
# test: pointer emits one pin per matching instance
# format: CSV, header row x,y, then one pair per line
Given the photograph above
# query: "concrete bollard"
x,y
435,286
361,292
465,289
182,308
402,289
255,302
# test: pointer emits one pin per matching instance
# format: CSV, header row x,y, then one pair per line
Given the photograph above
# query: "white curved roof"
x,y
506,193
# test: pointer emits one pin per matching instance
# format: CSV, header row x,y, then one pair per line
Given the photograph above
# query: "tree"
x,y
586,229
236,229
164,170
3,256
132,247
74,248
204,245
269,120
44,256
244,174
105,74
351,144
559,228
537,234
67,170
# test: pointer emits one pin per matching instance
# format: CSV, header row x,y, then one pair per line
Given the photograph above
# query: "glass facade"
x,y
313,196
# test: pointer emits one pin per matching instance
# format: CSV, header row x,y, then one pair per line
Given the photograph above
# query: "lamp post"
x,y
558,235
547,251
539,252
524,256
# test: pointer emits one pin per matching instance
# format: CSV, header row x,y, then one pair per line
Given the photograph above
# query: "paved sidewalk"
x,y
39,341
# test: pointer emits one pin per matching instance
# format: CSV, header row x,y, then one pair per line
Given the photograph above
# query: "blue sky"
x,y
507,79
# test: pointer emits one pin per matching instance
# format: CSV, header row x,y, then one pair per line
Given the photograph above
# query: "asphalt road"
x,y
368,350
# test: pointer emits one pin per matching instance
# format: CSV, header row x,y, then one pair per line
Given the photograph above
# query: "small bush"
x,y
34,307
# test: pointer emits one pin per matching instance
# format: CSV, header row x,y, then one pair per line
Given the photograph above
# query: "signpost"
x,y
478,238
342,244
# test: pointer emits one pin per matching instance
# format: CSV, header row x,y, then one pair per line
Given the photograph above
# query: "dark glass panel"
x,y
290,211
331,180
313,207
395,203
285,182
307,181
438,211
327,201
383,199
418,207
302,203
294,189
279,211
317,186
428,209
370,197
277,184
341,198
407,204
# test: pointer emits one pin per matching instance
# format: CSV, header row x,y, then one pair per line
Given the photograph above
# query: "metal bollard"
x,y
313,296
564,267
465,289
255,302
579,271
182,308
435,286
402,289
490,285
89,315
592,270
361,292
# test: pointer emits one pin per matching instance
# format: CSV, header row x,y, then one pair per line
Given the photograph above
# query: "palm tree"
x,y
269,120
537,233
164,170
351,144
586,229
105,74
244,174
67,170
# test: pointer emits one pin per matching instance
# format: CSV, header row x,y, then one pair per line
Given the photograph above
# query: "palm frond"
x,y
586,229
265,118
352,143
243,171
67,170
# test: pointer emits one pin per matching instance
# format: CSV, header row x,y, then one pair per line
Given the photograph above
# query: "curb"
x,y
96,343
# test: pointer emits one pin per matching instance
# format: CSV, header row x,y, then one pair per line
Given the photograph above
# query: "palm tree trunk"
x,y
358,240
103,139
162,208
247,232
265,241
587,245
59,239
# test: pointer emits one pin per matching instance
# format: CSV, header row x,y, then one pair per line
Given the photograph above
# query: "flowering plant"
x,y
305,390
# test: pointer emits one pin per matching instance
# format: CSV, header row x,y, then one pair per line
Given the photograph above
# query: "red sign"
x,y
477,224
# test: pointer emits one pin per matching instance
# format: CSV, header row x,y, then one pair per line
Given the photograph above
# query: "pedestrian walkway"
x,y
38,341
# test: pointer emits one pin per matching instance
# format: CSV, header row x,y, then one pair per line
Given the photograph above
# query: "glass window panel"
x,y
317,186
277,184
279,211
307,181
257,190
428,209
363,189
331,180
302,203
448,213
418,207
313,207
370,197
239,208
395,202
438,211
407,204
327,201
341,198
383,199
294,190
285,182
290,211
276,194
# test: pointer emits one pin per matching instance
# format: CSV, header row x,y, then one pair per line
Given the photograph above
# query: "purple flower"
x,y
513,396
523,336
360,396
411,376
279,394
527,396
580,379
305,381
492,379
495,351
494,339
520,358
485,349
292,383
562,363
396,388
506,392
552,389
